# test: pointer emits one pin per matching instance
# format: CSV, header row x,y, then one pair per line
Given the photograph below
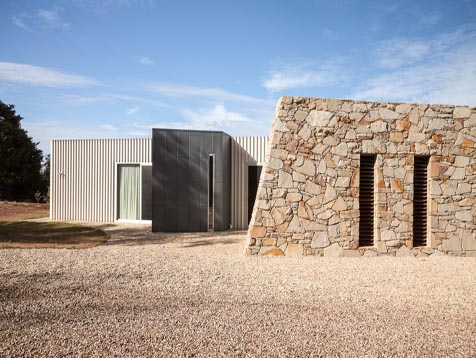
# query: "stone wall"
x,y
308,197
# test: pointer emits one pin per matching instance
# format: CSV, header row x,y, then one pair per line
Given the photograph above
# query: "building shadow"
x,y
139,235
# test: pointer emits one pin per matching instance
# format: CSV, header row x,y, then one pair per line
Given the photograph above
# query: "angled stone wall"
x,y
308,198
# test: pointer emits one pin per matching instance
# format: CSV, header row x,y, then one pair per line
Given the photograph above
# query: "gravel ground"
x,y
145,294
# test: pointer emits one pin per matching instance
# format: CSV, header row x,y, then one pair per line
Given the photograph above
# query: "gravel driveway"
x,y
145,294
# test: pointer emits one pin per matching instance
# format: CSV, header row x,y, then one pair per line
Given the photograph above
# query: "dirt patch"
x,y
29,234
13,211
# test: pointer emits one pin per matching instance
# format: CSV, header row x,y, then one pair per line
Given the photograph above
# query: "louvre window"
x,y
420,185
366,200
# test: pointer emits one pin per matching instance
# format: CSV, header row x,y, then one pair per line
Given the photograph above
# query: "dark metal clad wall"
x,y
180,179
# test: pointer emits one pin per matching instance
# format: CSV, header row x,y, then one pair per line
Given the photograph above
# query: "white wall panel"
x,y
83,176
245,151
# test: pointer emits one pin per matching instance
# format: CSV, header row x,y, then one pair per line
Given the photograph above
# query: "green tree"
x,y
20,158
45,179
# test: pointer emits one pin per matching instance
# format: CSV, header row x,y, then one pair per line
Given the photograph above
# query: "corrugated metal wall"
x,y
245,151
83,184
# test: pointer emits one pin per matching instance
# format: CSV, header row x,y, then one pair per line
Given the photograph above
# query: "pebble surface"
x,y
197,295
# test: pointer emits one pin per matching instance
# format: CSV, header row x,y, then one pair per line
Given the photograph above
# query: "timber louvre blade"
x,y
366,200
420,200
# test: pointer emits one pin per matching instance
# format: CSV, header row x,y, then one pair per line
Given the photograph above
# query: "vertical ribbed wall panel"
x,y
83,176
245,151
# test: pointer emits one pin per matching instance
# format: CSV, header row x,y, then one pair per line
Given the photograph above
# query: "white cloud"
x,y
19,22
447,74
81,100
145,60
400,52
104,5
304,75
132,111
215,118
429,19
108,127
51,19
43,131
182,91
41,76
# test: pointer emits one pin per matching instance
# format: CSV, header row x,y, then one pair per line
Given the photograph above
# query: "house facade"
x,y
143,180
352,178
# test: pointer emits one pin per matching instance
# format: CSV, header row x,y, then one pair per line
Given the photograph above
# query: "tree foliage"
x,y
20,158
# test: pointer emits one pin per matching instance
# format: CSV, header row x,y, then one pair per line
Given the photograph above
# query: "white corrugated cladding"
x,y
245,151
83,175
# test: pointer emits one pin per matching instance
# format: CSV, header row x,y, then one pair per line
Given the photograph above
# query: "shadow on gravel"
x,y
142,235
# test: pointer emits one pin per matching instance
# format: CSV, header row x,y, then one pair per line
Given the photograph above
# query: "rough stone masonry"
x,y
308,196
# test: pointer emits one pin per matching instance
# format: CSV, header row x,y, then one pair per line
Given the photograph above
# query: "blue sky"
x,y
117,68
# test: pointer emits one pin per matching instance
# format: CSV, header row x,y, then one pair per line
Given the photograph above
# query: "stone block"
x,y
275,163
403,108
461,161
319,118
381,247
402,126
312,188
435,189
285,180
270,251
334,250
396,185
325,215
458,174
320,240
279,153
388,235
464,215
293,197
461,112
298,177
351,253
294,225
279,126
257,232
370,253
329,141
452,245
340,149
339,204
330,194
379,127
388,114
404,251
294,250
307,168
414,116
469,241
315,200
305,132
463,188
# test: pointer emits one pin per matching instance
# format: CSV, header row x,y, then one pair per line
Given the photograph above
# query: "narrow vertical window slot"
x,y
254,172
420,200
366,200
211,182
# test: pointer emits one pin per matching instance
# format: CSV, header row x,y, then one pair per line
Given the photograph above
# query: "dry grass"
x,y
13,211
29,234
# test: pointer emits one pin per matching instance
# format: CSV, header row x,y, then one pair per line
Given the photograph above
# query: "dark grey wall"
x,y
180,179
